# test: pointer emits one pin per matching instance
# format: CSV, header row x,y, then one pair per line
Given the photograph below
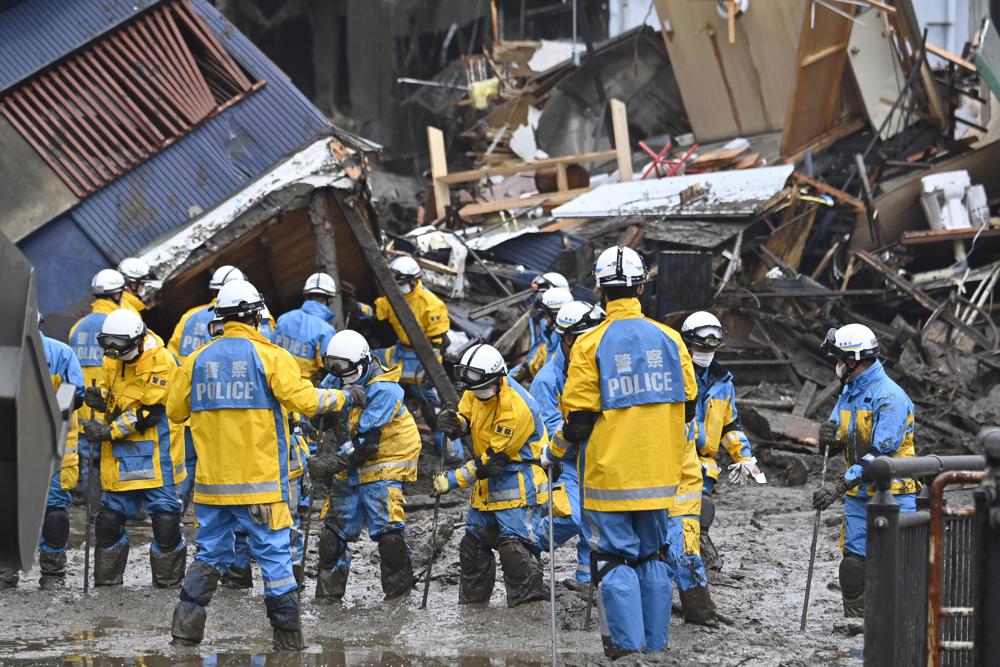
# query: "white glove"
x,y
739,472
546,460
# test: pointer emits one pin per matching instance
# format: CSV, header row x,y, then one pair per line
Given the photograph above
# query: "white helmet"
x,y
480,365
851,341
578,317
555,298
547,280
320,284
223,275
404,268
703,329
122,332
238,298
347,356
134,268
107,282
619,266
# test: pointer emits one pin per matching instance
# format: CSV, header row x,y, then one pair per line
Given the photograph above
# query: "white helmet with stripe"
x,y
223,275
320,284
619,266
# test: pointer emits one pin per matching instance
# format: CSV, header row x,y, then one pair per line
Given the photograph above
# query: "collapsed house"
x,y
153,128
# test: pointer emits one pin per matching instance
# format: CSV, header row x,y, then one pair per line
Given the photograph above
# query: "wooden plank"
x,y
839,195
523,167
623,147
439,169
804,398
732,89
484,208
941,235
820,55
951,57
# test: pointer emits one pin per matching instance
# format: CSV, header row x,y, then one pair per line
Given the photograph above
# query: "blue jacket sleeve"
x,y
547,397
383,400
890,421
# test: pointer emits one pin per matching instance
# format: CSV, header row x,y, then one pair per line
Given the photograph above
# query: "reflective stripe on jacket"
x,y
146,452
636,374
718,420
878,412
509,423
687,502
237,390
305,333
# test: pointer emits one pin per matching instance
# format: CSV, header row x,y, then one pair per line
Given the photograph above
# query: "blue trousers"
x,y
855,528
271,549
684,554
242,541
567,527
162,500
57,499
515,522
635,590
354,506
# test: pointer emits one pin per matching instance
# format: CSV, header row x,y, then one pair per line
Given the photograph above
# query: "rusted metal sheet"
x,y
949,580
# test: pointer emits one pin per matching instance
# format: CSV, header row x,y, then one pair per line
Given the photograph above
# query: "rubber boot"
x,y
238,578
334,566
852,585
331,585
709,554
52,567
9,578
522,573
168,568
396,567
698,606
283,612
200,583
479,571
109,565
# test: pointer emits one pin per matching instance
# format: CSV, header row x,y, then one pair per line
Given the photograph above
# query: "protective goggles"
x,y
340,366
540,285
243,308
708,336
473,377
116,346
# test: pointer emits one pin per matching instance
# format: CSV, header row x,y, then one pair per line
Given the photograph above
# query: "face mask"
x,y
352,378
131,356
485,394
842,370
405,288
703,359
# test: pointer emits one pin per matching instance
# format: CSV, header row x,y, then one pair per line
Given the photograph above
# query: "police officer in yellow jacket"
x,y
107,286
235,390
370,469
431,314
139,279
142,457
873,417
629,394
508,435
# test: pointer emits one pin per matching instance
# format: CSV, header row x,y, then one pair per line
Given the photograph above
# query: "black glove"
x,y
451,423
824,496
325,465
827,436
95,431
93,398
356,397
493,467
308,430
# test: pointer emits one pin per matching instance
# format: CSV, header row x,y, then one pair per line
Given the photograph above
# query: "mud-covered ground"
x,y
764,533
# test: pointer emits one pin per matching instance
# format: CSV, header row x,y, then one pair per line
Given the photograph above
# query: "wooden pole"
x,y
619,122
439,168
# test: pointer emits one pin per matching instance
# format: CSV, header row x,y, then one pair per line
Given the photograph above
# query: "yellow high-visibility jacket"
x,y
298,454
717,419
191,331
146,451
236,391
636,375
687,502
430,311
70,471
132,302
83,341
509,423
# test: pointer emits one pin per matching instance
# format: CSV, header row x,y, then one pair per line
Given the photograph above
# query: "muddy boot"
x,y
200,583
852,585
698,606
397,570
109,565
334,567
709,554
479,571
283,612
9,578
238,578
168,568
522,573
52,567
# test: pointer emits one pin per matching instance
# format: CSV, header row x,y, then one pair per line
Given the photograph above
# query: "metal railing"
x,y
986,554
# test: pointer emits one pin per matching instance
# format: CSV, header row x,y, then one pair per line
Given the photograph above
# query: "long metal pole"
x,y
312,500
552,566
87,490
434,532
812,550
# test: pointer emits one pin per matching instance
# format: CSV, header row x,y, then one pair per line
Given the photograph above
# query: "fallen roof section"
x,y
717,194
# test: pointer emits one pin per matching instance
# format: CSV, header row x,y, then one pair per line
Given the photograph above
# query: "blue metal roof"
x,y
200,170
36,33
537,251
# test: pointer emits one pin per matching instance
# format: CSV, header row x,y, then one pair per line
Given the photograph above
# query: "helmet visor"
x,y
471,376
709,336
115,345
339,366
829,345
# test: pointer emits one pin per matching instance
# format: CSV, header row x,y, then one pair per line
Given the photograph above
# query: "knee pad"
x,y
331,547
55,527
707,511
852,575
393,550
167,531
109,526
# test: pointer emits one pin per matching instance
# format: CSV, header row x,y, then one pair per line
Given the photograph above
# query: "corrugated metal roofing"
x,y
538,251
36,33
209,164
